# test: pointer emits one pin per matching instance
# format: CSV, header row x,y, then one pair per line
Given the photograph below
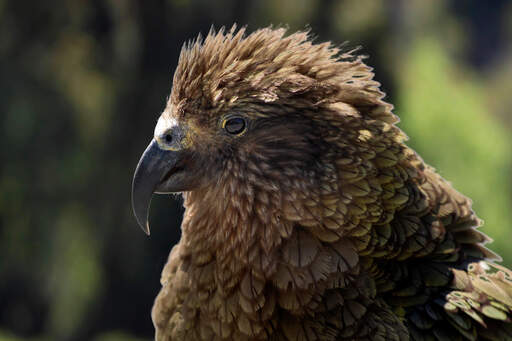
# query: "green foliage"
x,y
74,273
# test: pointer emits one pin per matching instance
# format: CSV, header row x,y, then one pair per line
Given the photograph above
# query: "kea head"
x,y
261,113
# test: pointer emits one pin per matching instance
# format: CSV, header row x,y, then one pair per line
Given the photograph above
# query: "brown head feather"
x,y
228,69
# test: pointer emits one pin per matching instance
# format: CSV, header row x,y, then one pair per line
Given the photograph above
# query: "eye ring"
x,y
234,125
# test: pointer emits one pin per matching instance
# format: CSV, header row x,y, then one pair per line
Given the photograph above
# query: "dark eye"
x,y
168,137
235,125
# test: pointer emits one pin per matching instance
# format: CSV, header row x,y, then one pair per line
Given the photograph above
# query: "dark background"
x,y
82,84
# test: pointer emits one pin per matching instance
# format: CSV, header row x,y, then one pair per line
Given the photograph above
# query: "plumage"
x,y
314,221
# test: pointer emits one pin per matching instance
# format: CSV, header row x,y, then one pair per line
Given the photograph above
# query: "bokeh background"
x,y
82,84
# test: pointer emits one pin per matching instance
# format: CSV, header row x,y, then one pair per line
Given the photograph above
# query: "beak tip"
x,y
144,227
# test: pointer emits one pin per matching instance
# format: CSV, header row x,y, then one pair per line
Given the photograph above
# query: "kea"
x,y
307,217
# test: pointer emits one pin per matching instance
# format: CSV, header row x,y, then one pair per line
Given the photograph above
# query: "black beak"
x,y
154,173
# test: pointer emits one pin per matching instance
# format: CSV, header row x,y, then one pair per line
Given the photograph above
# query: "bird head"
x,y
253,113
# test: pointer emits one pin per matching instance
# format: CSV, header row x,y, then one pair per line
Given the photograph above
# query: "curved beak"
x,y
155,173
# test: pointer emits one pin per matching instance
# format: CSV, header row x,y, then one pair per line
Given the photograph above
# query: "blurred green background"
x,y
82,84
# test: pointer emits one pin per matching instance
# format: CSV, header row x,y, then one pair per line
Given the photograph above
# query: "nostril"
x,y
168,138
